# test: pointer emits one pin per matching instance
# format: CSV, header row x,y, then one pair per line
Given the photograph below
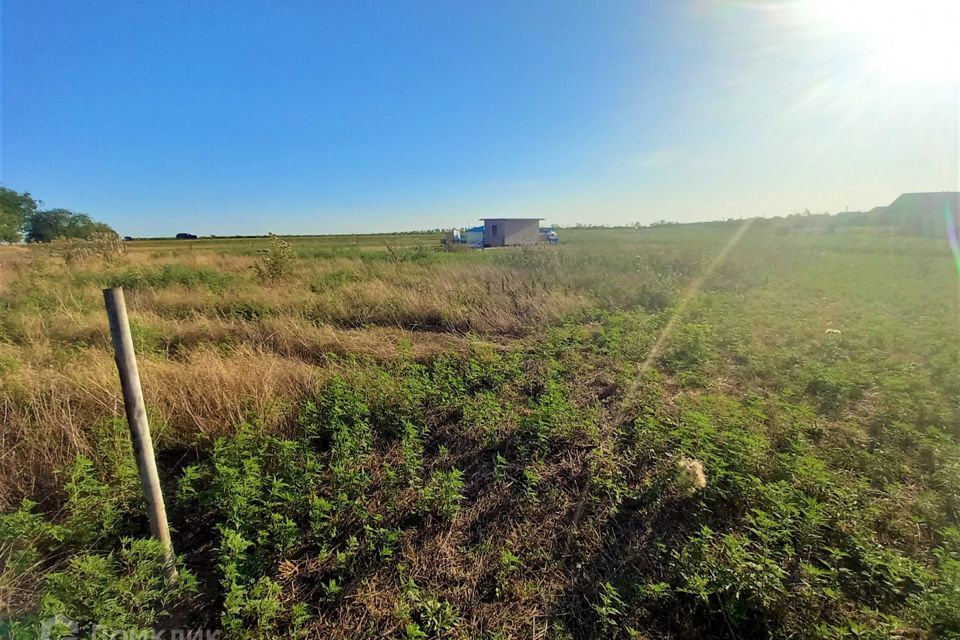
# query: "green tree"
x,y
15,210
44,226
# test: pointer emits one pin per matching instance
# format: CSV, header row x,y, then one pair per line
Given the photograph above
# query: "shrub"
x,y
829,387
429,617
411,452
609,606
690,347
251,483
443,494
26,537
940,604
732,573
277,261
251,604
483,413
122,591
437,617
508,565
552,418
76,251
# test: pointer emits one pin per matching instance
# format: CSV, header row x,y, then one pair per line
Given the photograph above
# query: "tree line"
x,y
21,218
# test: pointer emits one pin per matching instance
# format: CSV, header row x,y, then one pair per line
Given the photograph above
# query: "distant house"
x,y
921,213
506,232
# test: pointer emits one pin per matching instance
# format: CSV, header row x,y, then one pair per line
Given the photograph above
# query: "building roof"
x,y
521,219
922,213
925,202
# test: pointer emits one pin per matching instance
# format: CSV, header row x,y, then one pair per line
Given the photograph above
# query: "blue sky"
x,y
328,117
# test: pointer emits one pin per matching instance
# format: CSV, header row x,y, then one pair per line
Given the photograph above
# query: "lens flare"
x,y
952,235
689,294
904,41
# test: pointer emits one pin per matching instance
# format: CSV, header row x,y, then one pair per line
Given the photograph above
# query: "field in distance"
x,y
740,430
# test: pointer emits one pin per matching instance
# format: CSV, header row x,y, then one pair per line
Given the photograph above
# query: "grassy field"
x,y
715,430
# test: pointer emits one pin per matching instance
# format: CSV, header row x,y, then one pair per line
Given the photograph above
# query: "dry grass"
x,y
212,356
13,260
50,413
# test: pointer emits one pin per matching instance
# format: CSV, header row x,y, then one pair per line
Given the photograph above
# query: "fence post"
x,y
139,426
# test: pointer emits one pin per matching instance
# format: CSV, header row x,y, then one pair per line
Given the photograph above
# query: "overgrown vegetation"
x,y
479,444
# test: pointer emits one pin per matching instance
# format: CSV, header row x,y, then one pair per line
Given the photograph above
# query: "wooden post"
x,y
139,426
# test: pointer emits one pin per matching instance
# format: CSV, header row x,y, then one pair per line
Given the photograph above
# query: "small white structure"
x,y
506,232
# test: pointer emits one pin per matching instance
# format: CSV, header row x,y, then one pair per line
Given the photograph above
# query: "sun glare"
x,y
901,40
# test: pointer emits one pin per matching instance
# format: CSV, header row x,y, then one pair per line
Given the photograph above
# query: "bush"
x,y
690,347
75,251
122,591
940,604
251,604
443,494
732,573
277,261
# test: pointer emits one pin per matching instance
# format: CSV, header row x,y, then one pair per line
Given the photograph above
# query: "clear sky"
x,y
240,117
